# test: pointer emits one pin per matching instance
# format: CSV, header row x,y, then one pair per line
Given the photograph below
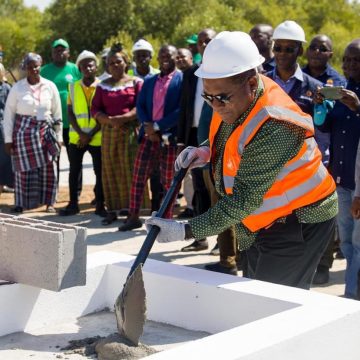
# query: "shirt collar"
x,y
168,76
298,74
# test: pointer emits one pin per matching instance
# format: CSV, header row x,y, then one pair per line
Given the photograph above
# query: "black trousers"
x,y
288,253
76,155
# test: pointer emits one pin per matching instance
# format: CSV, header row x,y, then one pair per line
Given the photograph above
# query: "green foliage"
x,y
20,30
94,24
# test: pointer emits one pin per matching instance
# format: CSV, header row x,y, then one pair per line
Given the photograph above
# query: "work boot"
x,y
70,209
321,276
217,267
197,245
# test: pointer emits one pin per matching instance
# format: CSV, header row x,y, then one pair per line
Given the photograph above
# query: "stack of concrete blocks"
x,y
43,254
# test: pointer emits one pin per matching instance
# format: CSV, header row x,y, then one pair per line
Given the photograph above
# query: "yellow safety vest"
x,y
83,116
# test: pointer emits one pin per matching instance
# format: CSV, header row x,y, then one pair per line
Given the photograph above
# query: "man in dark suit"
x,y
158,109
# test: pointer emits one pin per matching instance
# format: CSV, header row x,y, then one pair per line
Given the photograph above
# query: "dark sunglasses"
x,y
322,49
223,99
287,50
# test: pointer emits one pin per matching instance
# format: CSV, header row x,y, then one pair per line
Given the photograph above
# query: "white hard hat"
x,y
289,30
229,53
142,45
85,54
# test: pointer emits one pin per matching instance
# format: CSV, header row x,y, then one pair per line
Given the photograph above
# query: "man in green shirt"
x,y
62,72
267,169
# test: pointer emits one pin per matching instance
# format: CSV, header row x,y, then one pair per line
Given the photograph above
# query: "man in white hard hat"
x,y
84,134
267,168
142,53
289,38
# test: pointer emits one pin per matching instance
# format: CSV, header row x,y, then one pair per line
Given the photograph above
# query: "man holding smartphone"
x,y
343,124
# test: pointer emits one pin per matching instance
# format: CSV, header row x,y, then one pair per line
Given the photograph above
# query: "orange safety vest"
x,y
302,181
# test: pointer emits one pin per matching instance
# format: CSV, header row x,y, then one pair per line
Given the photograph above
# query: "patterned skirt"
x,y
34,153
118,151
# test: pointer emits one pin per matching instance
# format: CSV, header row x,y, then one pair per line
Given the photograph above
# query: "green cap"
x,y
192,39
60,42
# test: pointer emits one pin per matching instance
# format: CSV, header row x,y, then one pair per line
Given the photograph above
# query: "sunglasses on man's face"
x,y
322,49
287,49
222,99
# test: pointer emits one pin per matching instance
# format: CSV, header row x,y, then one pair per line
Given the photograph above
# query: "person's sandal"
x,y
110,218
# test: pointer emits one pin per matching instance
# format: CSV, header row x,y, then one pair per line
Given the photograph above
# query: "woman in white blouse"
x,y
33,136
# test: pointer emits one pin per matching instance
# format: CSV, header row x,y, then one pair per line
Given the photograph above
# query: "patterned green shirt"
x,y
273,146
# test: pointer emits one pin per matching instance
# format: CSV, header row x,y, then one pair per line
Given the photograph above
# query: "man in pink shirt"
x,y
158,108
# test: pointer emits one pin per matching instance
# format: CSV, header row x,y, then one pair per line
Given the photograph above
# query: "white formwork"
x,y
249,319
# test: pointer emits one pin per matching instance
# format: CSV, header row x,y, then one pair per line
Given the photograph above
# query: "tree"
x,y
20,30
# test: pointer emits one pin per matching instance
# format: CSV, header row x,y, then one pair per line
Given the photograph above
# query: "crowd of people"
x,y
274,160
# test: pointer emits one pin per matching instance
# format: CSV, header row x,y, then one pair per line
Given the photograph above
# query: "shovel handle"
x,y
154,231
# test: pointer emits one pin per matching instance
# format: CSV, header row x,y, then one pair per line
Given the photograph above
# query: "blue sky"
x,y
41,4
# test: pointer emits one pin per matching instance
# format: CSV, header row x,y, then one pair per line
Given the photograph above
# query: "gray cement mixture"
x,y
112,347
116,347
88,338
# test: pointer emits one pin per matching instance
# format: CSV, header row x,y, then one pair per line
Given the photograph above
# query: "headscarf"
x,y
30,57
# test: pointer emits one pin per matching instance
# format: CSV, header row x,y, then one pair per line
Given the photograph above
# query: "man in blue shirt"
x,y
318,54
343,123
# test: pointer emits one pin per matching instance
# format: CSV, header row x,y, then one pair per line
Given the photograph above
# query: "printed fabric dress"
x,y
119,145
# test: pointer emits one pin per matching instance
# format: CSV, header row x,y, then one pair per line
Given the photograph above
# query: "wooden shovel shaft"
x,y
154,231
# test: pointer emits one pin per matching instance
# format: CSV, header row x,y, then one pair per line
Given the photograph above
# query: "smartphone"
x,y
331,92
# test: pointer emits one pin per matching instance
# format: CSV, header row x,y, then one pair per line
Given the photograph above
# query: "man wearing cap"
x,y
157,109
84,134
192,42
267,168
142,52
62,72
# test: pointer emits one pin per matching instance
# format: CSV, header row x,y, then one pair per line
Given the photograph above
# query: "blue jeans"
x,y
349,232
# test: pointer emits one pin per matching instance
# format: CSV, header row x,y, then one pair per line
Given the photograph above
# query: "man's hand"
x,y
355,208
193,157
170,230
84,140
8,148
318,98
149,128
350,99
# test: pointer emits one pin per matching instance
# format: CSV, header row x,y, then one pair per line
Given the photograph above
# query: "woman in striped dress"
x,y
114,107
33,134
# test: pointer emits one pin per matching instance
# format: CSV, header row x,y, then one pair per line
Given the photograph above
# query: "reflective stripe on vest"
x,y
302,181
276,112
82,114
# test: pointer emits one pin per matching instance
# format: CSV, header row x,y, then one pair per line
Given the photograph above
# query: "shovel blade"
x,y
130,307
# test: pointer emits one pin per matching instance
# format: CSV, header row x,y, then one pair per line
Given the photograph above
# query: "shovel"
x,y
130,305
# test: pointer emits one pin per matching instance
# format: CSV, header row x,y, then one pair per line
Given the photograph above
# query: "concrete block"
x,y
46,256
